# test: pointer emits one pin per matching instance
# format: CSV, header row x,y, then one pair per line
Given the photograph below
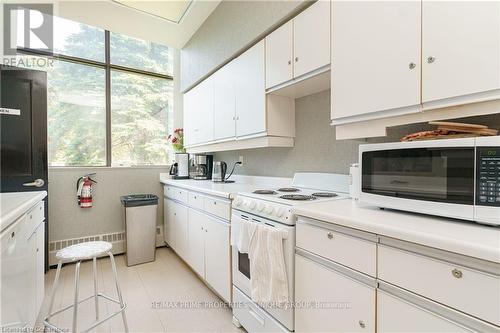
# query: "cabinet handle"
x,y
412,65
289,62
296,59
457,273
201,228
431,59
329,235
215,202
12,234
362,324
206,230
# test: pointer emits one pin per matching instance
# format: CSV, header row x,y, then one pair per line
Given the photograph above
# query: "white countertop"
x,y
15,204
461,237
226,190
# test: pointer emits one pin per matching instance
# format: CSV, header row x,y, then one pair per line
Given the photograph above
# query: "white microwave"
x,y
456,178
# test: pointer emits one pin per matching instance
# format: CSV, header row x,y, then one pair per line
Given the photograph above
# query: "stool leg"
x,y
75,304
54,288
94,268
118,291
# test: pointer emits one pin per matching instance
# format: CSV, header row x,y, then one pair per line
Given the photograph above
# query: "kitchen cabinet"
x,y
198,231
460,49
416,314
311,38
279,55
300,46
375,58
225,102
331,299
209,251
199,113
176,227
250,91
22,269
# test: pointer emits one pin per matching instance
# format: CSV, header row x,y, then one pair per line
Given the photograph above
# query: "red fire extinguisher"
x,y
84,191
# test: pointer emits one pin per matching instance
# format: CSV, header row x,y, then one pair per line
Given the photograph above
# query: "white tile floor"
x,y
152,293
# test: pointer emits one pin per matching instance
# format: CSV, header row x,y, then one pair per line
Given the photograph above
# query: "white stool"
x,y
79,252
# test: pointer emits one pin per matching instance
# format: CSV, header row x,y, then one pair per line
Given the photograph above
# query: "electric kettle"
x,y
219,171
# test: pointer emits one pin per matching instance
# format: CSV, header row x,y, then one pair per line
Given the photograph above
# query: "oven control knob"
x,y
237,202
245,203
252,205
269,209
280,212
260,206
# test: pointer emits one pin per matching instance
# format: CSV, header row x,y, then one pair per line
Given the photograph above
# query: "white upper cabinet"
x,y
375,57
460,48
199,113
250,91
224,102
300,46
279,55
311,38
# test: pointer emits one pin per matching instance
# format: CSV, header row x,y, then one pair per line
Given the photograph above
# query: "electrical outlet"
x,y
241,159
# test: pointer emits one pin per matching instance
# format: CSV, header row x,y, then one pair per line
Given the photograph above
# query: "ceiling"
x,y
172,11
169,22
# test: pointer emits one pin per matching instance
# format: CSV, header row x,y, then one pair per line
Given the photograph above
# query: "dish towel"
x,y
268,279
242,232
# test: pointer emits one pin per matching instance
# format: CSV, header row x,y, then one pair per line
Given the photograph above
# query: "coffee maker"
x,y
180,168
203,167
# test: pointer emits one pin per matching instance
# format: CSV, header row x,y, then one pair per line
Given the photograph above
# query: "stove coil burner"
x,y
288,189
264,192
324,195
297,197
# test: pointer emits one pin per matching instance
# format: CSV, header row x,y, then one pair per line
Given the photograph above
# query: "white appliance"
x,y
273,206
456,178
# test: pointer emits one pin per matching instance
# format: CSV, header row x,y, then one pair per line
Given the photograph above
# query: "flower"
x,y
176,140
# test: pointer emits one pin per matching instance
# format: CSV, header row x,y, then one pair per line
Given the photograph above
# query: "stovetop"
x,y
292,195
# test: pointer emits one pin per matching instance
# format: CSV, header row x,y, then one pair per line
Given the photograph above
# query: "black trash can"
x,y
139,215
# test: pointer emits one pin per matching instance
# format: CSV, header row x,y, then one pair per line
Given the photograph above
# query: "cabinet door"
x,y
217,257
181,230
311,38
40,266
189,121
250,91
224,102
279,55
375,57
31,256
344,304
205,113
396,315
168,222
197,241
463,37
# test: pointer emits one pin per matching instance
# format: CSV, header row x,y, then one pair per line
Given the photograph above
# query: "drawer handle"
x,y
215,202
362,324
12,234
457,273
329,235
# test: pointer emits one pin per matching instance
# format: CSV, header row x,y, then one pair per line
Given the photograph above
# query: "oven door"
x,y
422,177
241,266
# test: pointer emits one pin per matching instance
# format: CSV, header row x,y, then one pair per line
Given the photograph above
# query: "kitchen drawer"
x,y
351,248
252,317
195,200
469,290
168,191
181,195
35,216
217,207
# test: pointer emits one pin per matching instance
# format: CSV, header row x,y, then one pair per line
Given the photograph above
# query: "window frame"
x,y
108,67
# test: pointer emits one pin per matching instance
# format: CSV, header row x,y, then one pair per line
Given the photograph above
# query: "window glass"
x,y
76,115
140,110
140,54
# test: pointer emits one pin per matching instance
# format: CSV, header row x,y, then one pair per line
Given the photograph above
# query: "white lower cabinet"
x,y
201,238
331,301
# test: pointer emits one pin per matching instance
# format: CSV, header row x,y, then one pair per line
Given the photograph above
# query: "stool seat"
x,y
84,251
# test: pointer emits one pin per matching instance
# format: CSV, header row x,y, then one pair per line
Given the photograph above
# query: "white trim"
x,y
243,143
377,115
298,79
482,96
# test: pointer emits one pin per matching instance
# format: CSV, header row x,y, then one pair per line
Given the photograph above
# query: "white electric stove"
x,y
273,207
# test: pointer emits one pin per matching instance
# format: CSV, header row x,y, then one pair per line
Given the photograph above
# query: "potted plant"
x,y
176,140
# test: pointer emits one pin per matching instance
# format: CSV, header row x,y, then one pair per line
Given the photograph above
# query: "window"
x,y
106,111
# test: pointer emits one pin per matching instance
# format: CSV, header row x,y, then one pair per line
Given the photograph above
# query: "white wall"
x,y
68,220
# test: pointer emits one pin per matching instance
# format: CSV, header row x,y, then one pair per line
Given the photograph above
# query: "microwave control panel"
x,y
488,176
